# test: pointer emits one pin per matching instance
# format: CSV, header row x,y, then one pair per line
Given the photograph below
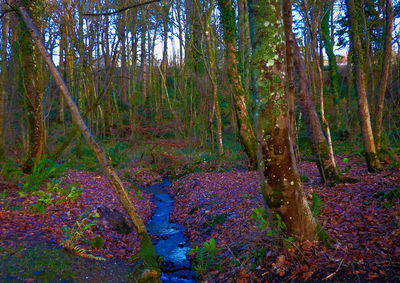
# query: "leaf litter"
x,y
366,230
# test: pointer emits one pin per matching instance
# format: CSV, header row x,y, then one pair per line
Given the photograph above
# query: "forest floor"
x,y
362,218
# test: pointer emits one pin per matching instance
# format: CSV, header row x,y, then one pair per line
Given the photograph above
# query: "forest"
x,y
199,141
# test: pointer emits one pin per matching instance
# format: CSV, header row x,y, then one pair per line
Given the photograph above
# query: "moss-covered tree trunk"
x,y
280,182
211,69
246,131
30,65
244,44
143,57
150,271
326,166
384,74
333,68
366,129
3,82
61,67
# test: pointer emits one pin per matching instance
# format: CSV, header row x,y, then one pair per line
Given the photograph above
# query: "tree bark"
x,y
4,38
384,75
280,181
366,129
244,44
327,168
32,89
246,131
144,60
151,270
287,19
333,68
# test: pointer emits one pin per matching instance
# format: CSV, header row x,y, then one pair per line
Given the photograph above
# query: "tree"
x,y
150,272
385,74
32,89
280,181
3,54
326,165
246,131
212,72
333,67
366,129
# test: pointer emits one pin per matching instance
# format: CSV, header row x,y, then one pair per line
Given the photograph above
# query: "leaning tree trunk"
x,y
150,265
385,74
366,129
245,127
326,166
280,181
32,89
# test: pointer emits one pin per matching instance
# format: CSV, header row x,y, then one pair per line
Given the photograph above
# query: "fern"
x,y
79,251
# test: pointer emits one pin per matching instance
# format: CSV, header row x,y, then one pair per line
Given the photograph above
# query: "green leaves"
x,y
316,205
206,256
258,215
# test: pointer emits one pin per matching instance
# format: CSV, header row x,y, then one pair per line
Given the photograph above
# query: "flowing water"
x,y
172,245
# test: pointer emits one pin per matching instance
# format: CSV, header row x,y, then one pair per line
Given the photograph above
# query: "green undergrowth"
x,y
41,262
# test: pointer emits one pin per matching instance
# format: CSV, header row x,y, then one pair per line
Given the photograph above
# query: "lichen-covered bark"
x,y
150,271
246,131
327,168
366,129
384,74
280,182
30,65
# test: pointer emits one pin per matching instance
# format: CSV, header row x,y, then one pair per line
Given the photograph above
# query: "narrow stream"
x,y
172,245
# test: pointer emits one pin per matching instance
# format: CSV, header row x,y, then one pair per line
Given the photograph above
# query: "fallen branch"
x,y
333,274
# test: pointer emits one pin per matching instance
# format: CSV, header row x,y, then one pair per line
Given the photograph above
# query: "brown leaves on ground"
x,y
219,205
24,224
365,230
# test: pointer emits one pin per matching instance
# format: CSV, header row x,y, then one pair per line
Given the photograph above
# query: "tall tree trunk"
x,y
150,265
3,79
133,75
384,74
144,60
212,74
287,20
121,34
244,44
333,68
62,67
366,129
280,181
32,88
326,166
246,131
165,13
106,53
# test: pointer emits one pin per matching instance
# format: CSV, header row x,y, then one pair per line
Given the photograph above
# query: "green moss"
x,y
323,236
373,162
275,198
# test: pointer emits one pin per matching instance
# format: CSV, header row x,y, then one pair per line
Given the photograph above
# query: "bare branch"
x,y
123,9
